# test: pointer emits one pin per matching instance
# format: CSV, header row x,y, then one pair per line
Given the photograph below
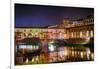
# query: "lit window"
x,y
91,33
87,33
72,35
80,34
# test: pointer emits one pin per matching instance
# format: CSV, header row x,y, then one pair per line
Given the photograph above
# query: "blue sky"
x,y
29,15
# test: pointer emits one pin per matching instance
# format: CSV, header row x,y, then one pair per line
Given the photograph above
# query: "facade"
x,y
21,33
82,28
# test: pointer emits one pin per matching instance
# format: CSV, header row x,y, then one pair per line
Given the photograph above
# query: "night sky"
x,y
29,15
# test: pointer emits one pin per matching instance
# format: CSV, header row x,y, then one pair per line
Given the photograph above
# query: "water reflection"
x,y
52,51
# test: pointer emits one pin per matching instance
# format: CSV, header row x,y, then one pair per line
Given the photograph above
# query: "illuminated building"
x,y
82,28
